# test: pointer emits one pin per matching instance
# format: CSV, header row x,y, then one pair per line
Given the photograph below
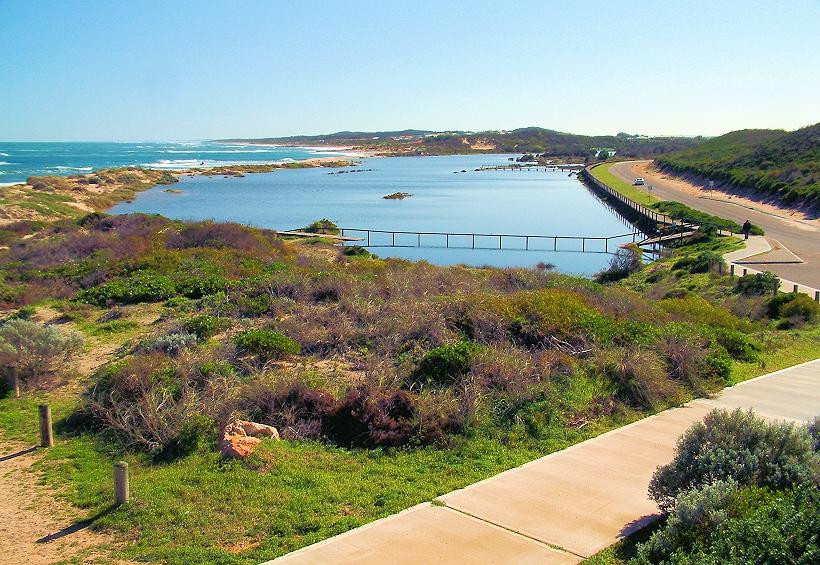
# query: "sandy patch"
x,y
36,527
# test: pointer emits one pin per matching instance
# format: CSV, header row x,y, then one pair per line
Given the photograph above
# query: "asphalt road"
x,y
798,237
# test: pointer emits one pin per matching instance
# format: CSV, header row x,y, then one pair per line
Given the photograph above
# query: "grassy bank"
x,y
672,209
602,173
784,166
391,382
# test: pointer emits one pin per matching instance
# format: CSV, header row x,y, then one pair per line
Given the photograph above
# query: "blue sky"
x,y
145,70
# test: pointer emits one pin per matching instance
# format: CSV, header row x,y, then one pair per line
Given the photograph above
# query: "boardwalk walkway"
x,y
563,507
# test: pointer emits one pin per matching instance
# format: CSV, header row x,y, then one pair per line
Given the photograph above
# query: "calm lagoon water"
x,y
493,202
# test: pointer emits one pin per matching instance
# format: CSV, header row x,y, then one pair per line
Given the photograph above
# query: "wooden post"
x,y
795,288
368,238
473,241
527,243
14,382
731,269
120,482
817,295
46,436
744,272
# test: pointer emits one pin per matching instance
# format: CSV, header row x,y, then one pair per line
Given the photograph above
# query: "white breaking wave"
x,y
5,162
62,168
4,154
197,151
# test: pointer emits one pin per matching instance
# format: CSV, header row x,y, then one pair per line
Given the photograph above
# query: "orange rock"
x,y
238,437
238,446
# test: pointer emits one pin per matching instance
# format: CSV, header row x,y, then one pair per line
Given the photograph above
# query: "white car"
x,y
638,181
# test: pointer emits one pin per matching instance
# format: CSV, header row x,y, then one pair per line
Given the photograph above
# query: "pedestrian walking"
x,y
747,227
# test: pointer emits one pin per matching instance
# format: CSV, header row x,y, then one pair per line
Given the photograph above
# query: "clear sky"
x,y
170,70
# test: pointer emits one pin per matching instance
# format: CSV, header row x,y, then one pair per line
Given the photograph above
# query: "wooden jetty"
x,y
336,237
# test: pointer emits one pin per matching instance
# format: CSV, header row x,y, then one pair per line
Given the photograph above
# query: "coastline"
x,y
49,198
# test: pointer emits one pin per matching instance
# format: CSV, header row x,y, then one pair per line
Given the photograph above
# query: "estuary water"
x,y
448,195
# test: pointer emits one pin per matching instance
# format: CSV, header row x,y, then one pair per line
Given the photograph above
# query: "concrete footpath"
x,y
563,507
760,253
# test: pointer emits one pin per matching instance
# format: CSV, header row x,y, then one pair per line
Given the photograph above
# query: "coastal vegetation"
x,y
777,164
546,143
390,382
46,198
739,490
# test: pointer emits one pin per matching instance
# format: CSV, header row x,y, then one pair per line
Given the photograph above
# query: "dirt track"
x,y
35,527
801,237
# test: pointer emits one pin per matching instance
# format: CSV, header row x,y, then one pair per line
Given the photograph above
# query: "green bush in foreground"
x,y
721,523
739,446
266,344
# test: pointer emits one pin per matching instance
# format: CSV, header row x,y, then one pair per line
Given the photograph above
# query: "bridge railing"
x,y
509,241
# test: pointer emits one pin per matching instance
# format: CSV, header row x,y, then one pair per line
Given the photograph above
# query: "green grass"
x,y
602,173
287,495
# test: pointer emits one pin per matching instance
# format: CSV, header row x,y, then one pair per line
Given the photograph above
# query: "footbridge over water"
x,y
463,240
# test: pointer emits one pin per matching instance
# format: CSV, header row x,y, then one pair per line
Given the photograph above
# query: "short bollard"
x,y
120,482
46,436
817,295
731,269
795,288
14,382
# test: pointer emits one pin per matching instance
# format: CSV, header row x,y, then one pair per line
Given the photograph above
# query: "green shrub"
x,y
355,251
323,226
266,344
446,364
200,284
739,446
738,345
205,326
172,344
700,263
758,284
800,307
141,286
37,351
723,524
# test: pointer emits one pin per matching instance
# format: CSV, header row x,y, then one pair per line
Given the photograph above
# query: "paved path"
x,y
758,255
565,506
802,238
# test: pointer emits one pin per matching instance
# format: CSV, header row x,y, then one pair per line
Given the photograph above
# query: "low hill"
x,y
549,143
775,163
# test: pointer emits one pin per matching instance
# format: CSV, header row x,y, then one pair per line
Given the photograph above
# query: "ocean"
x,y
20,160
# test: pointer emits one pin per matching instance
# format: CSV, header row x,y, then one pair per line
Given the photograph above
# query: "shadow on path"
x,y
18,454
76,527
638,524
